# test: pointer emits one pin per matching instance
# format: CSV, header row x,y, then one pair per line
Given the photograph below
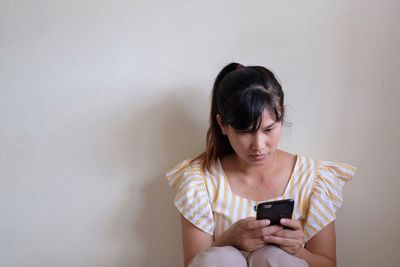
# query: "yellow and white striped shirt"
x,y
207,201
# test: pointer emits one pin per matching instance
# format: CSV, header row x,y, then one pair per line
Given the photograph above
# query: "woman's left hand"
x,y
291,240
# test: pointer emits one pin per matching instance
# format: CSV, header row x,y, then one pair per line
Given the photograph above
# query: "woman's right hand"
x,y
247,234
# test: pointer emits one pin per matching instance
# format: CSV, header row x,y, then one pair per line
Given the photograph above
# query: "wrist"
x,y
223,241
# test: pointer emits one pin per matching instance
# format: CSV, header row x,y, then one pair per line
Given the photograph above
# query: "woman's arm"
x,y
194,241
320,250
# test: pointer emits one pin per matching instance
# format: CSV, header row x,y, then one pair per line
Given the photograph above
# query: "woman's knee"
x,y
272,256
218,257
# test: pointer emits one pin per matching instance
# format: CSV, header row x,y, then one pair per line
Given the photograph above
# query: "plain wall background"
x,y
98,99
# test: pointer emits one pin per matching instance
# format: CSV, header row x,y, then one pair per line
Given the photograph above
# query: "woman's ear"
x,y
221,125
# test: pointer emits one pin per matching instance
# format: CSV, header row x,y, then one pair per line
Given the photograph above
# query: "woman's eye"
x,y
268,130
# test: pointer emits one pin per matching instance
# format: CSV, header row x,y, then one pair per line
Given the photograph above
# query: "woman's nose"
x,y
258,143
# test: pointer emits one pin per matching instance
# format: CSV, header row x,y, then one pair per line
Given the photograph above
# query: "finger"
x,y
270,230
254,224
284,242
289,233
293,224
265,231
283,233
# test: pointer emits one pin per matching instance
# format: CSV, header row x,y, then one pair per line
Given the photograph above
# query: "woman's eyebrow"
x,y
269,126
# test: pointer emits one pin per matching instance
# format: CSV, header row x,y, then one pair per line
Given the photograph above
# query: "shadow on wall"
x,y
163,133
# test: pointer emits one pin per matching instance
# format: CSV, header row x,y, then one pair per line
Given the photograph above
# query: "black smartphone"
x,y
275,210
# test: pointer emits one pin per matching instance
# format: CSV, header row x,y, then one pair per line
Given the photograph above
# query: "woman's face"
x,y
254,148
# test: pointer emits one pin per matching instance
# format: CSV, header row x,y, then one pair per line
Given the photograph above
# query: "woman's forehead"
x,y
267,117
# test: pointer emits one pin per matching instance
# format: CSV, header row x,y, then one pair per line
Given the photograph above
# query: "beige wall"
x,y
98,99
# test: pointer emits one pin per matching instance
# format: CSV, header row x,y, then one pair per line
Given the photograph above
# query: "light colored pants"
x,y
268,256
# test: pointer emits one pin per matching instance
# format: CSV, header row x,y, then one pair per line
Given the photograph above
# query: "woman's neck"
x,y
262,171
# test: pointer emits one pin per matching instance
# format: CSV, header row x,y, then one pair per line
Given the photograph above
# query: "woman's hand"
x,y
247,234
291,240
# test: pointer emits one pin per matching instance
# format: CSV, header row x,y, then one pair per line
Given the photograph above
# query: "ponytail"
x,y
217,144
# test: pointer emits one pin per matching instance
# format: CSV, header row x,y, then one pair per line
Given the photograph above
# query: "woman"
x,y
241,167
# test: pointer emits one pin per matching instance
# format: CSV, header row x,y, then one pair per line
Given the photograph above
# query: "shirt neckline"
x,y
255,201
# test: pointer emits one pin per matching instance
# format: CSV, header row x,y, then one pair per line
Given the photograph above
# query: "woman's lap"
x,y
218,257
272,256
268,256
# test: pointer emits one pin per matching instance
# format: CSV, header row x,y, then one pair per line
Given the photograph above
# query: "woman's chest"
x,y
262,186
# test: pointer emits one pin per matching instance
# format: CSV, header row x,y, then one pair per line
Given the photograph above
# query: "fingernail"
x,y
267,222
283,220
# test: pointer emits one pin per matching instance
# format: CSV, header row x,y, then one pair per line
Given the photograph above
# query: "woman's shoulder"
x,y
192,198
189,164
287,161
287,157
334,173
190,169
322,169
326,193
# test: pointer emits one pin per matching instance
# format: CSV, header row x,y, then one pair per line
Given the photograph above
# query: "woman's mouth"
x,y
258,157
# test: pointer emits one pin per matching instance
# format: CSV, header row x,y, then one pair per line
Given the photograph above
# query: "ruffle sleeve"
x,y
192,199
326,196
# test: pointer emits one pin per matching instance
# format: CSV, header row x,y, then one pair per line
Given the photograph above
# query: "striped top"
x,y
207,201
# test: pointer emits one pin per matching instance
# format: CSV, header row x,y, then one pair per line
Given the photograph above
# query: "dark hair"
x,y
240,95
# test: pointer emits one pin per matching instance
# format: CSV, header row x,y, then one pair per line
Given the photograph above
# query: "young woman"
x,y
241,167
